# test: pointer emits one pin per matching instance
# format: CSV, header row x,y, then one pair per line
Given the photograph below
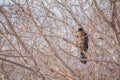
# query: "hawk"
x,y
82,42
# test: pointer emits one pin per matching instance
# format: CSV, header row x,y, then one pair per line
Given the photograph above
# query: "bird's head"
x,y
80,29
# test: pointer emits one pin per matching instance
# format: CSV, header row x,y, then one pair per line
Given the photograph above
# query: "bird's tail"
x,y
83,57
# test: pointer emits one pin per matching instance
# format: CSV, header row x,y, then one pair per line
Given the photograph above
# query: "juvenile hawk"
x,y
82,42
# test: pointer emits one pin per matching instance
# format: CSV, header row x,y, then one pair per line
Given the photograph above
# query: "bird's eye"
x,y
77,36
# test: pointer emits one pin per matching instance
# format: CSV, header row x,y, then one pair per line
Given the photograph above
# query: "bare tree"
x,y
38,42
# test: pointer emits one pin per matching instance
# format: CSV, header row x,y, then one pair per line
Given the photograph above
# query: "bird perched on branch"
x,y
82,42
